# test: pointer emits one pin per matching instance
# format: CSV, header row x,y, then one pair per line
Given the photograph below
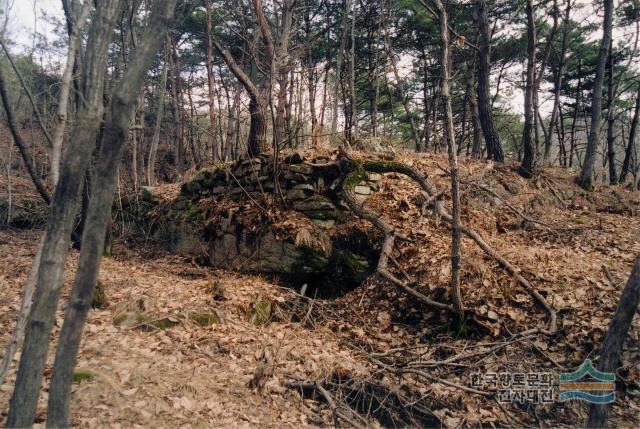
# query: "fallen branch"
x,y
387,247
358,169
337,411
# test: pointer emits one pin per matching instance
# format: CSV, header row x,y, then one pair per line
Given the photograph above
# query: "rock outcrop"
x,y
210,219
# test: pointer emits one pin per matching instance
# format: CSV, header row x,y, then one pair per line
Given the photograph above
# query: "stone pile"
x,y
311,187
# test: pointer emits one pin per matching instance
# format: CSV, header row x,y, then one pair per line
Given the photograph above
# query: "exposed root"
x,y
356,168
338,411
390,236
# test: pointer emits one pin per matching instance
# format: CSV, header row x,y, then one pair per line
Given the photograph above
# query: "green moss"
x,y
260,313
311,261
82,375
164,323
99,297
143,321
355,177
147,196
204,319
348,268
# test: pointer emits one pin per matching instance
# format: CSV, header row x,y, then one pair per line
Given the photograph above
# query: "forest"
x,y
316,213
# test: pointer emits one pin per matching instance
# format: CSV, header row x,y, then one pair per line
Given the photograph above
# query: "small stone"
x,y
297,194
301,168
250,161
374,177
324,223
295,158
314,204
218,190
321,160
297,177
320,214
362,190
248,169
305,186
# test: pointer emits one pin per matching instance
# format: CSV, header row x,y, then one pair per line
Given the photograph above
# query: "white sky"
x,y
24,12
22,19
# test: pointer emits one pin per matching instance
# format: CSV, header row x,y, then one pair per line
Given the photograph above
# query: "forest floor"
x,y
237,373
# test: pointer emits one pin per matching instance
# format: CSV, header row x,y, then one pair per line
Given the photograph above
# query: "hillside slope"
x,y
148,361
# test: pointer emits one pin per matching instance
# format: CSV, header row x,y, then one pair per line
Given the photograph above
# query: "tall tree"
x,y
123,103
64,208
491,137
585,179
528,160
453,161
630,149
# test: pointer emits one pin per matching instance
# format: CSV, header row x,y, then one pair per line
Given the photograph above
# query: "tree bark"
x,y
210,82
339,59
257,103
20,143
585,179
155,139
613,341
63,212
476,148
528,161
76,20
611,150
491,137
453,162
629,151
123,103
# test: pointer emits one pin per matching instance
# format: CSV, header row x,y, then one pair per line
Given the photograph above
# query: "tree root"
x,y
341,411
356,170
390,236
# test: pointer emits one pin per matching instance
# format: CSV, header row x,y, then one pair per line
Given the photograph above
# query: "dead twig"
x,y
337,410
397,167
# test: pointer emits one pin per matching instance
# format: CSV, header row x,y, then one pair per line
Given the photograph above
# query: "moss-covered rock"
x,y
82,375
204,319
260,313
144,321
99,297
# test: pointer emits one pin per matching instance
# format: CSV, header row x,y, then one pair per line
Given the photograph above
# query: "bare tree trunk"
x,y
528,161
210,81
353,132
153,150
453,162
476,148
557,84
613,341
339,59
17,138
492,140
23,315
176,106
76,21
63,211
611,150
628,153
585,180
257,103
123,103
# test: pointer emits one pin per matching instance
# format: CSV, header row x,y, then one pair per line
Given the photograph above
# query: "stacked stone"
x,y
310,188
